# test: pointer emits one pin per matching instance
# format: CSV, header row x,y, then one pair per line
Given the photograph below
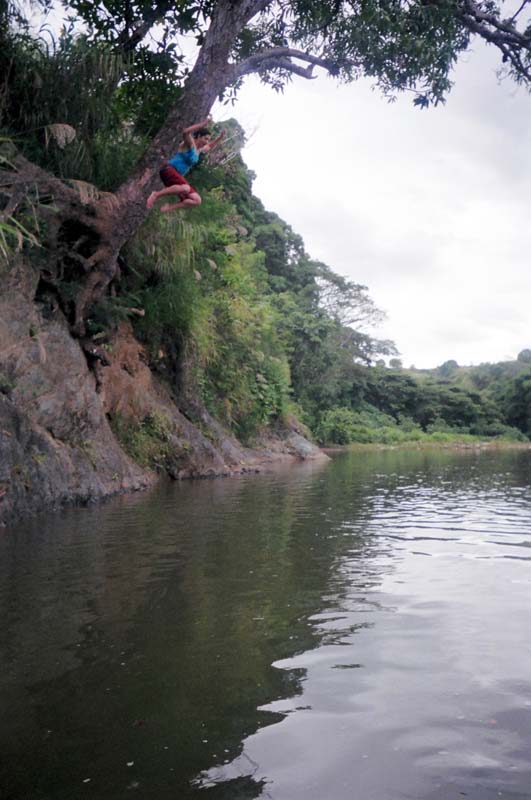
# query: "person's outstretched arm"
x,y
187,133
211,145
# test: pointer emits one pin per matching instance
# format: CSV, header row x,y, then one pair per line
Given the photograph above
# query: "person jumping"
x,y
196,140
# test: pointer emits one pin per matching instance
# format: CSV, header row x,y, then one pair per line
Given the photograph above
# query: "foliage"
x,y
403,46
159,272
408,405
58,103
342,425
18,221
237,310
148,441
203,287
501,387
346,426
517,402
524,356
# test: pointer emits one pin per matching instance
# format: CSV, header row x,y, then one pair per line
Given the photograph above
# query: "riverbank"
x,y
432,443
79,423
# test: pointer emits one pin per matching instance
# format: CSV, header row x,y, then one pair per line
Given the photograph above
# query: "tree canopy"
x,y
402,45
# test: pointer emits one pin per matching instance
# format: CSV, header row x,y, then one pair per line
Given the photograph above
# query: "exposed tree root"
x,y
75,230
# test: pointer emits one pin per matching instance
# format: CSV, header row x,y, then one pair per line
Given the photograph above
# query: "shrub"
x,y
147,441
341,426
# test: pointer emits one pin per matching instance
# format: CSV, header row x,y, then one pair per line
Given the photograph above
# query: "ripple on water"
x,y
356,630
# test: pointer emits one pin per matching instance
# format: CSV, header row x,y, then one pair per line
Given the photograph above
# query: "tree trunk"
x,y
95,242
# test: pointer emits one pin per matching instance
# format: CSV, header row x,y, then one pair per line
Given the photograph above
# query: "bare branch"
x,y
295,69
281,57
519,11
502,34
491,19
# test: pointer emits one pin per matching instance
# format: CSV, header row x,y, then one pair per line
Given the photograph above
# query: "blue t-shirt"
x,y
183,162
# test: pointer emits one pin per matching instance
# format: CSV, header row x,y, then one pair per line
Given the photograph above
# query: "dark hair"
x,y
201,132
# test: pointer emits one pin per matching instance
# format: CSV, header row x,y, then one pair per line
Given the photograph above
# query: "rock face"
x,y
56,445
56,400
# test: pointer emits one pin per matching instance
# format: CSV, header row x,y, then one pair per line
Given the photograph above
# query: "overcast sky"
x,y
428,208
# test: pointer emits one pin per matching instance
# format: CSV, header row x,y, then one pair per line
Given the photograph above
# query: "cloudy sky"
x,y
429,209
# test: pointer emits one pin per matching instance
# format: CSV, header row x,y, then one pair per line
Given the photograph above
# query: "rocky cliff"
x,y
79,422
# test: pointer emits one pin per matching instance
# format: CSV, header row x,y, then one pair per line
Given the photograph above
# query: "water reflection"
x,y
349,630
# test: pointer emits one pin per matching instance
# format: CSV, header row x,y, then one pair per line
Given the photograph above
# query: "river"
x,y
351,630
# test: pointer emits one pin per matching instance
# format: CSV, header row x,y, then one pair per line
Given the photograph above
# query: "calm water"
x,y
358,630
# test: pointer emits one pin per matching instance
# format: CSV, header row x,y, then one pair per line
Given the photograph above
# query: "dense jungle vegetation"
x,y
233,311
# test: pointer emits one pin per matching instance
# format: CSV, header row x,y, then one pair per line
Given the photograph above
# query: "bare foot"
x,y
167,207
151,199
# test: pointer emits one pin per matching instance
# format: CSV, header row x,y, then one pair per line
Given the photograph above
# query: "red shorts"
x,y
170,177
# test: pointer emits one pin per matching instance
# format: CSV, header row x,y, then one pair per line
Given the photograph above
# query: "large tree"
x,y
402,44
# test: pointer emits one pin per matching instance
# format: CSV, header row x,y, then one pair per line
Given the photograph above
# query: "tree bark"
x,y
118,217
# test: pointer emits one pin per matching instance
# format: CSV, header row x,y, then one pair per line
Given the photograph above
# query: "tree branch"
x,y
281,57
491,19
519,11
503,35
133,34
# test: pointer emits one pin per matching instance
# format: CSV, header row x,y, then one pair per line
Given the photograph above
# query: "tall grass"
x,y
13,236
51,84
